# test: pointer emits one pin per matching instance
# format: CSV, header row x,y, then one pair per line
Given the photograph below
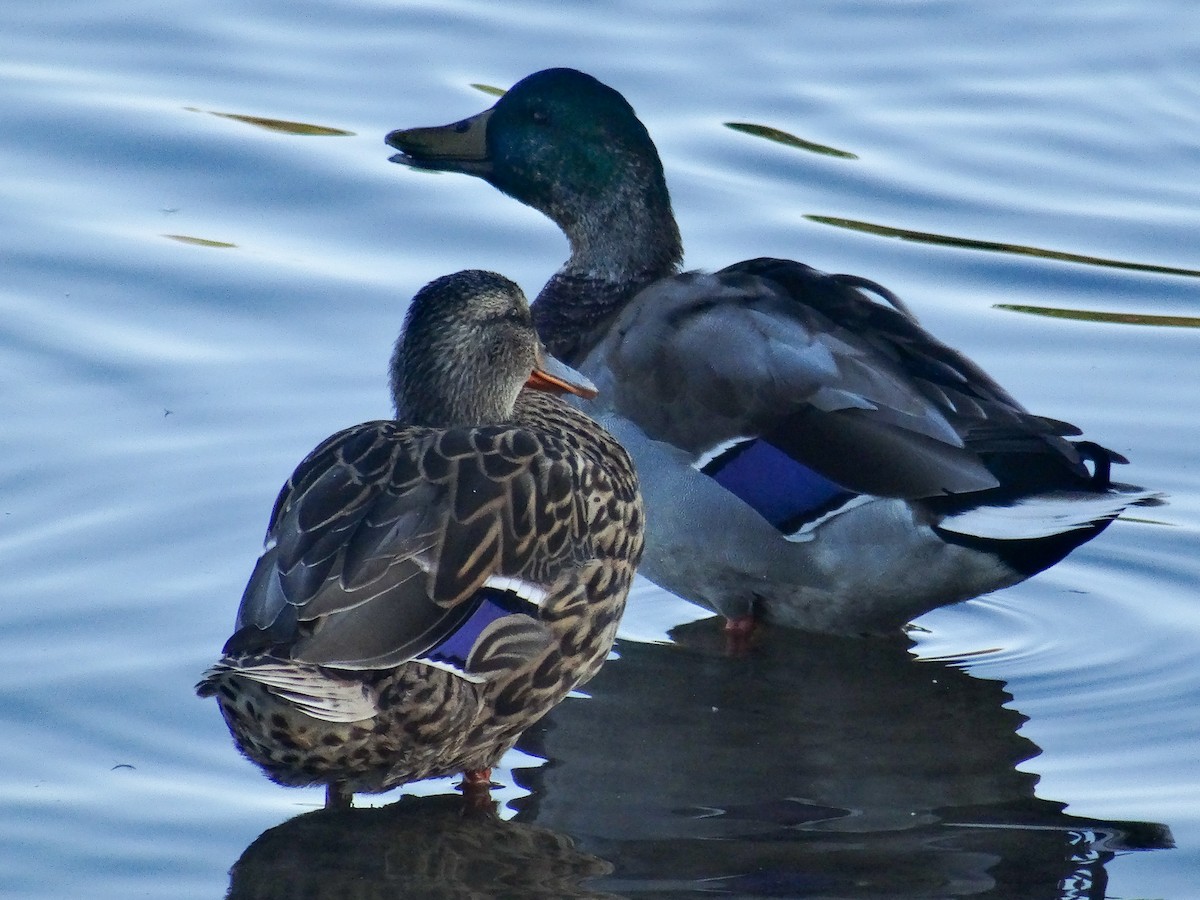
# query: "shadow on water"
x,y
812,767
818,767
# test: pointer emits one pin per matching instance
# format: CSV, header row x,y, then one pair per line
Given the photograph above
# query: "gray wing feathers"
x,y
709,360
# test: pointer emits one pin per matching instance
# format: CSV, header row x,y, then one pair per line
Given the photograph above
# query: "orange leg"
x,y
476,787
739,634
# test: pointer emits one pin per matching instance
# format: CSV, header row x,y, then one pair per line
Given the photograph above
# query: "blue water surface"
x,y
205,256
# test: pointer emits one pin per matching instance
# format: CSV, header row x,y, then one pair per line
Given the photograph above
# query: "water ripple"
x,y
192,301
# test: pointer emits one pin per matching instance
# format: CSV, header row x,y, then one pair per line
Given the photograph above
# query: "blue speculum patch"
x,y
783,491
496,604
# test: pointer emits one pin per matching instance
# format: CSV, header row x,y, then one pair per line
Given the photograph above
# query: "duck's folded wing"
x,y
381,541
819,372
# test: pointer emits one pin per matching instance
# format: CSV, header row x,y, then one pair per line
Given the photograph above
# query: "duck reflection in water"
x,y
816,766
419,847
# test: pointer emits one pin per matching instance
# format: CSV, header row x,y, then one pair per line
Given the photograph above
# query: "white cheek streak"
x,y
526,590
713,452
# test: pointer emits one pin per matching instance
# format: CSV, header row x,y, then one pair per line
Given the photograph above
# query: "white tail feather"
x,y
311,690
1045,515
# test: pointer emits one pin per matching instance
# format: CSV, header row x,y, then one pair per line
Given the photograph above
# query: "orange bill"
x,y
559,378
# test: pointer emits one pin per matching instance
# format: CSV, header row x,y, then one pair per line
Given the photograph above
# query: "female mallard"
x,y
810,454
433,585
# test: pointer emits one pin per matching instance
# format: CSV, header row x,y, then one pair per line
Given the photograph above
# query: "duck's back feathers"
x,y
850,387
382,540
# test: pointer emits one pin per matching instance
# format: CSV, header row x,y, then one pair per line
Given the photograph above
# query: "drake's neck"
x,y
613,256
571,310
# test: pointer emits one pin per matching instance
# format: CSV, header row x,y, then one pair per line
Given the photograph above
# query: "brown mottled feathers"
x,y
385,533
324,681
434,584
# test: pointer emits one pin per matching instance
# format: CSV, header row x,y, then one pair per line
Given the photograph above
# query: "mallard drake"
x,y
434,584
809,453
